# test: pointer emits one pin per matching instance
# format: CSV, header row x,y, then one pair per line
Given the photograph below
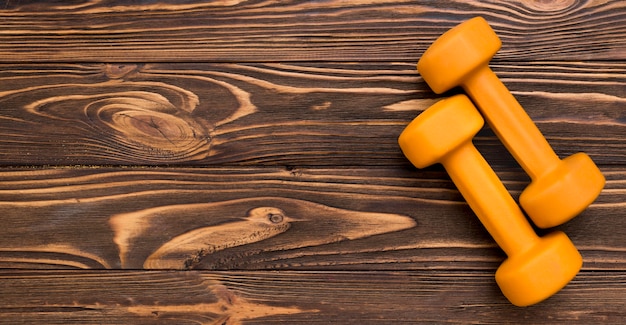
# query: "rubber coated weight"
x,y
559,190
439,130
536,267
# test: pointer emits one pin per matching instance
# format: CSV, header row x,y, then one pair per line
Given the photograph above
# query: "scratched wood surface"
x,y
235,162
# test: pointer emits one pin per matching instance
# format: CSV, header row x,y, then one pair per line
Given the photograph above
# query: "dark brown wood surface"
x,y
235,162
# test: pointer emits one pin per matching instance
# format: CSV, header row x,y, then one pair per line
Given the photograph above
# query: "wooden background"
x,y
251,146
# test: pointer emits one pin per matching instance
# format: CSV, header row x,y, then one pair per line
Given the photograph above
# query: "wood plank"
x,y
251,31
115,297
297,219
233,162
306,114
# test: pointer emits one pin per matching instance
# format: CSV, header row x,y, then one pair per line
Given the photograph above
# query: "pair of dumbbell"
x,y
536,267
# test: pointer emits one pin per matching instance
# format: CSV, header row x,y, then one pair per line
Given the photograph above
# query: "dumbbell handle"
x,y
510,122
489,199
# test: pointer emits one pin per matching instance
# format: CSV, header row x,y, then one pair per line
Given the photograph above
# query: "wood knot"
x,y
151,122
117,71
157,134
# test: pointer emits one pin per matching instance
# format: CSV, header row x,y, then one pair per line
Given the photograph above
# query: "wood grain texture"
x,y
235,161
267,219
279,114
268,31
59,297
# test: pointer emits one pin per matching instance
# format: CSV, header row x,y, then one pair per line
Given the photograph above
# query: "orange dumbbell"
x,y
560,189
536,267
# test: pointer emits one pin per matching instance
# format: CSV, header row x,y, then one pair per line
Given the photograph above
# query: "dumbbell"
x,y
559,189
536,267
